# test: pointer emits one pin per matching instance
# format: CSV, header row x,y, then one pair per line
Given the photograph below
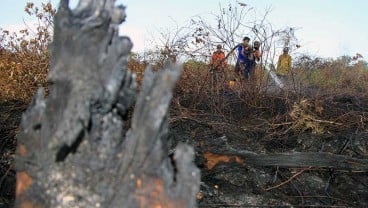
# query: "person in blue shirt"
x,y
243,63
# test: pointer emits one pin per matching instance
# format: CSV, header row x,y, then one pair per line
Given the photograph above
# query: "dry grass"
x,y
24,70
21,74
335,76
24,59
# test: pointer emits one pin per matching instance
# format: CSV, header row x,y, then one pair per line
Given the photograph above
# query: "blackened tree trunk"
x,y
73,150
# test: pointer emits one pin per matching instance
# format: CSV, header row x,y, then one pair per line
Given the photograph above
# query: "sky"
x,y
326,28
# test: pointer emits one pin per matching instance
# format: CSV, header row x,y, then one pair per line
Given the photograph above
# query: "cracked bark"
x,y
72,149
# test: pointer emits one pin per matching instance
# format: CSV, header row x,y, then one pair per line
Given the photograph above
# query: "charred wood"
x,y
73,150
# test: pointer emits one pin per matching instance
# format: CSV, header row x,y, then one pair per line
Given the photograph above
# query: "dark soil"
x,y
10,116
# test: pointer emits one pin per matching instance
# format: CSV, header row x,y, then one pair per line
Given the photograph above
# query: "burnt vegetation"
x,y
255,144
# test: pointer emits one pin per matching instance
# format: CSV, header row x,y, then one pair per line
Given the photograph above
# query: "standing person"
x,y
218,65
252,59
257,54
284,64
218,61
244,50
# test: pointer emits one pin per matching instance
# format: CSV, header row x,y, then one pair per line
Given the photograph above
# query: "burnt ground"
x,y
232,184
242,126
10,116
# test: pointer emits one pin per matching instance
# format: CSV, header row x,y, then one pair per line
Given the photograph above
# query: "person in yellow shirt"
x,y
284,63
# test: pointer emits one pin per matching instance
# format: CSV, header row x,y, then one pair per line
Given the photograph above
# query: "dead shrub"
x,y
24,59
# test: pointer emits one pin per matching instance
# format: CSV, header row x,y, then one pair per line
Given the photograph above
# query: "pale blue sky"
x,y
328,28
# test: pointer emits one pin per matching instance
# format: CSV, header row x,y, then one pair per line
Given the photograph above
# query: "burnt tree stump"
x,y
73,150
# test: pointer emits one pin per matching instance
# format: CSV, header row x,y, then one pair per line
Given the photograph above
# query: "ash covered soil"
x,y
229,182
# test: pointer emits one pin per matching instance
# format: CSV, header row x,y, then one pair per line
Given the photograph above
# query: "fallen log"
x,y
73,150
287,160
